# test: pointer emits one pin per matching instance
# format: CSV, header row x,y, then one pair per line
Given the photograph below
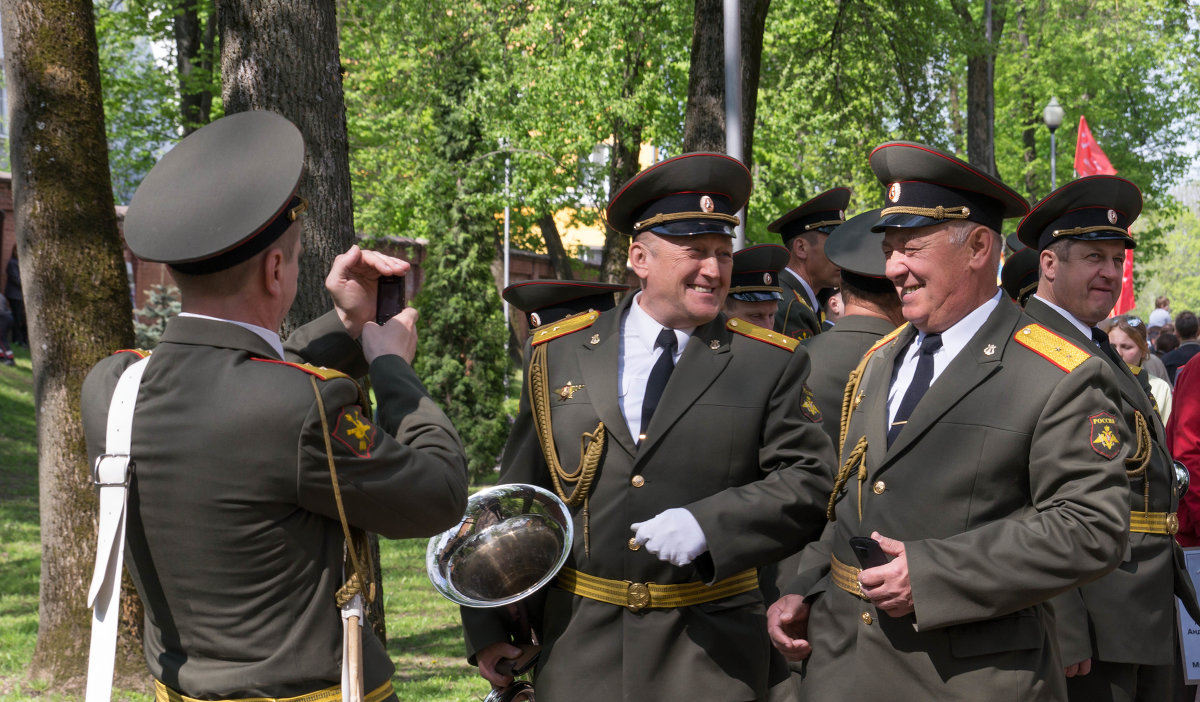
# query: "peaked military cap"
x,y
1019,275
1092,208
220,196
696,193
855,247
755,275
822,214
926,186
546,301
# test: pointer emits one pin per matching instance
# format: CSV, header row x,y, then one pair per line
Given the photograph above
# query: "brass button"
x,y
639,596
633,544
638,481
1172,524
879,487
866,617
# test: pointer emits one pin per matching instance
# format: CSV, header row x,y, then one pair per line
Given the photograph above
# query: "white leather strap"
x,y
111,475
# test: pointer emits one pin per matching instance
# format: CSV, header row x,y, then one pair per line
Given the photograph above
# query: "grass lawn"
x,y
425,640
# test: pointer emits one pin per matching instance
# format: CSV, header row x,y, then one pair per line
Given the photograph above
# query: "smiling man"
x,y
975,455
1116,634
684,454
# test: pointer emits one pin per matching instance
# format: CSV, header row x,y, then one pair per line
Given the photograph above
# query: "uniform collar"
x,y
272,338
1083,328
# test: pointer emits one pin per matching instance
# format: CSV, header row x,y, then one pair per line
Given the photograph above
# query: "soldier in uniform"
x,y
804,231
235,537
1117,633
754,291
871,310
987,501
675,437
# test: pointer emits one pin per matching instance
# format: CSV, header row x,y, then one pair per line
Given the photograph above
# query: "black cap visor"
x,y
692,227
907,221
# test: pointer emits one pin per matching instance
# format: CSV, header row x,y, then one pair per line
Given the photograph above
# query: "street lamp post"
x,y
1053,115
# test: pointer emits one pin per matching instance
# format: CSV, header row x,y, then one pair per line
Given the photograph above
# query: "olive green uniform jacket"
x,y
1001,502
1128,616
795,316
233,536
730,443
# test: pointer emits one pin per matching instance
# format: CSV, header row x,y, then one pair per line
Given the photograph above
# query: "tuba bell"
x,y
510,542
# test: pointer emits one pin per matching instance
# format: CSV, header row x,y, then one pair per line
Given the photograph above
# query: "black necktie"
x,y
659,375
920,383
1101,340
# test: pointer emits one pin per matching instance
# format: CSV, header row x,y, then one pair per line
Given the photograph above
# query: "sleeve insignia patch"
x,y
355,432
808,405
1104,438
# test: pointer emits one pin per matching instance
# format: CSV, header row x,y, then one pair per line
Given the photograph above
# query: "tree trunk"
x,y
76,295
282,55
193,51
554,246
704,123
622,165
981,94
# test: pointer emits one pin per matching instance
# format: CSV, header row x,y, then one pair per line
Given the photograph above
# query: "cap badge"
x,y
535,319
989,350
766,278
1112,216
894,192
706,203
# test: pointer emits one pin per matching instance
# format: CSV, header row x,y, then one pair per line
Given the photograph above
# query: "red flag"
x,y
1125,302
1089,159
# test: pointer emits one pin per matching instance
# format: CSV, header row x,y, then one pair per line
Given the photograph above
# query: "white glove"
x,y
674,536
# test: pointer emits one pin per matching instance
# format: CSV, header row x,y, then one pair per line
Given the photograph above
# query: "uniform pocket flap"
x,y
1014,632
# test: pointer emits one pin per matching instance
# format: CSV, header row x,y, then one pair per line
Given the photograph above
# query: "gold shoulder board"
x,y
886,339
140,353
1049,345
319,371
562,327
741,326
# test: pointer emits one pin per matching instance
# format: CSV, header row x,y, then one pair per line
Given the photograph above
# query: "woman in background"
x,y
1128,336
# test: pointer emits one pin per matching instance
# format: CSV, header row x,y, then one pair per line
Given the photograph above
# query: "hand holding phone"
x,y
389,298
868,551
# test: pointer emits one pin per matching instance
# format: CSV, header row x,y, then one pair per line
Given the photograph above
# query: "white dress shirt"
x,y
954,339
808,291
639,332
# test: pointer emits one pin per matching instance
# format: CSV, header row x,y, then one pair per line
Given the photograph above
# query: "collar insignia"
x,y
989,350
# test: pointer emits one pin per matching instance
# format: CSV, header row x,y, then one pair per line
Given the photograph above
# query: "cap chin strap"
x,y
825,223
666,218
1080,231
939,212
111,474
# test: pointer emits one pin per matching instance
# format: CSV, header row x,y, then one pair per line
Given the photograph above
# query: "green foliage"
x,y
1176,274
141,93
162,303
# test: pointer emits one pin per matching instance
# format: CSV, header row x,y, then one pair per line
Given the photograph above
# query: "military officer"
x,y
235,532
1019,276
1117,633
546,301
634,426
871,310
754,291
986,501
804,231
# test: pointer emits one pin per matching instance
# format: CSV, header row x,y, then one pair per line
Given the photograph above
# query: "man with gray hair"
x,y
966,503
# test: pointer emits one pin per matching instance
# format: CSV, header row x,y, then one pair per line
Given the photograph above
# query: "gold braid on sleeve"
x,y
572,487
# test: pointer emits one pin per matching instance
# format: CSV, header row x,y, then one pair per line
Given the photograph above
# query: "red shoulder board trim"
x,y
319,371
886,339
140,353
1052,347
753,331
563,327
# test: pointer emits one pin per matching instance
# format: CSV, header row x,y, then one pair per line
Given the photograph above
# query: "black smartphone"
x,y
868,551
389,298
